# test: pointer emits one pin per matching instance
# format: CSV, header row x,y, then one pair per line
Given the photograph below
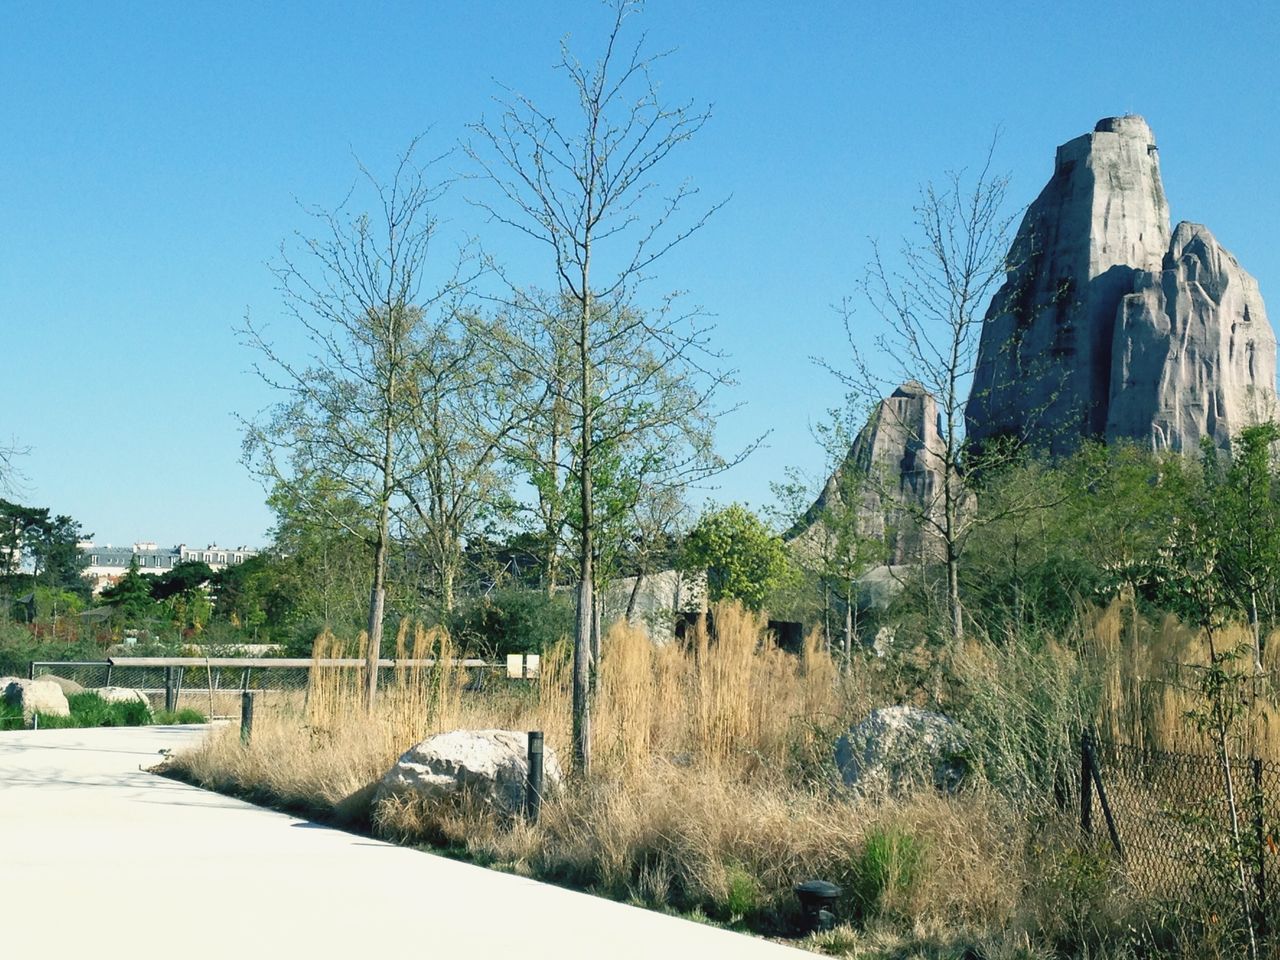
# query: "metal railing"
x,y
213,685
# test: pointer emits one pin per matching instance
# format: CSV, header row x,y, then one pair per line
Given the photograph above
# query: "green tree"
x,y
1246,498
131,595
185,577
744,559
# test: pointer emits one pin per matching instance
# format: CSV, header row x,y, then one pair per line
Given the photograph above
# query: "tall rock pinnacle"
x,y
1044,362
1107,326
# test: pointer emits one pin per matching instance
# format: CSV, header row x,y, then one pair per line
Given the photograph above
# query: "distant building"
x,y
107,564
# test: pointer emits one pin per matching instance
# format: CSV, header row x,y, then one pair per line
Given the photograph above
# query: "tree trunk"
x,y
635,592
848,622
1256,627
377,603
586,556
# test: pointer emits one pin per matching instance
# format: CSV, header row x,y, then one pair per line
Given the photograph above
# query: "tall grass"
x,y
1150,672
713,786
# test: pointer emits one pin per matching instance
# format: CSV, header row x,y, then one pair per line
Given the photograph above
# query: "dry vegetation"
x,y
714,791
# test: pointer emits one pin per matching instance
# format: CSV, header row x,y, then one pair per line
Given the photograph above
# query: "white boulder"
x,y
490,765
900,748
34,696
122,695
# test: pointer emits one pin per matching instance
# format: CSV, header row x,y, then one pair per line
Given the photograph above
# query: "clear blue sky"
x,y
151,155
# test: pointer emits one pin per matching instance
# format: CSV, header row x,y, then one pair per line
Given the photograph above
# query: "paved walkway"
x,y
100,859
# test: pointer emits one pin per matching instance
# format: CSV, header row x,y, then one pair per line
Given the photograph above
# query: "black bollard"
x,y
533,783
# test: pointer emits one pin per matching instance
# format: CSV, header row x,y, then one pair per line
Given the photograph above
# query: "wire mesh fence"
x,y
1171,816
214,686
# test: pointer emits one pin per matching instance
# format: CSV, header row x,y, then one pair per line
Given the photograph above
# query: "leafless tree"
x,y
358,293
932,307
580,185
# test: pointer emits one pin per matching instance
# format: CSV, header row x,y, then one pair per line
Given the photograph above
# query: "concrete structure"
x,y
1109,324
107,564
104,859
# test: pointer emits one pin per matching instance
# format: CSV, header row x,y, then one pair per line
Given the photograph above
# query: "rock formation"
x,y
1108,326
491,766
896,463
900,748
1193,353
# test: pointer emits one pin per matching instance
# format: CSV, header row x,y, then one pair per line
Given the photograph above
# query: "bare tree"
x,y
357,293
582,189
462,415
10,475
932,307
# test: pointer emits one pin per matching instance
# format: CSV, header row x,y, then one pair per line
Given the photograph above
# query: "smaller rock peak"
x,y
1130,125
912,388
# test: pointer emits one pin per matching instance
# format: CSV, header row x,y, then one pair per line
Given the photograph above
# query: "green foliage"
x,y
513,620
889,866
743,896
743,558
185,715
90,710
185,577
131,595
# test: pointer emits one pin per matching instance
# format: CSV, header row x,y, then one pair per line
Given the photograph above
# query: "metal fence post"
x,y
1086,784
1260,877
246,715
533,784
170,690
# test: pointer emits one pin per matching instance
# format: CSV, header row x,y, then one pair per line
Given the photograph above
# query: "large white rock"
x,y
1044,359
491,765
1110,327
122,695
900,748
34,696
1194,354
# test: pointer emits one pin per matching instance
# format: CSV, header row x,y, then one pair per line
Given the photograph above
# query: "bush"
x,y
90,710
185,715
513,620
889,867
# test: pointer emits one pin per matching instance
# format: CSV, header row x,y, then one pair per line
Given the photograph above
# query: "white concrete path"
x,y
100,859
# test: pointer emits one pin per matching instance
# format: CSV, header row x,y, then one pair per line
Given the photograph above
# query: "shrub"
x,y
185,715
886,872
513,620
90,710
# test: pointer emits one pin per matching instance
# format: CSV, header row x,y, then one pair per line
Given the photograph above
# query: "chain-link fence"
x,y
214,686
1170,816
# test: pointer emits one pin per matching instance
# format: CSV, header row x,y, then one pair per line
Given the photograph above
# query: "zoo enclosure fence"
x,y
1167,815
213,685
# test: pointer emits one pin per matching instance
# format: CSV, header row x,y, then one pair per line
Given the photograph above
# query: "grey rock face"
x,y
897,749
1194,355
1108,326
491,765
1044,360
898,452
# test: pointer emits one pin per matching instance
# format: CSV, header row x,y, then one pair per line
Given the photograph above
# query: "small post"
x,y
1112,832
246,715
170,690
533,785
1259,839
1086,784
